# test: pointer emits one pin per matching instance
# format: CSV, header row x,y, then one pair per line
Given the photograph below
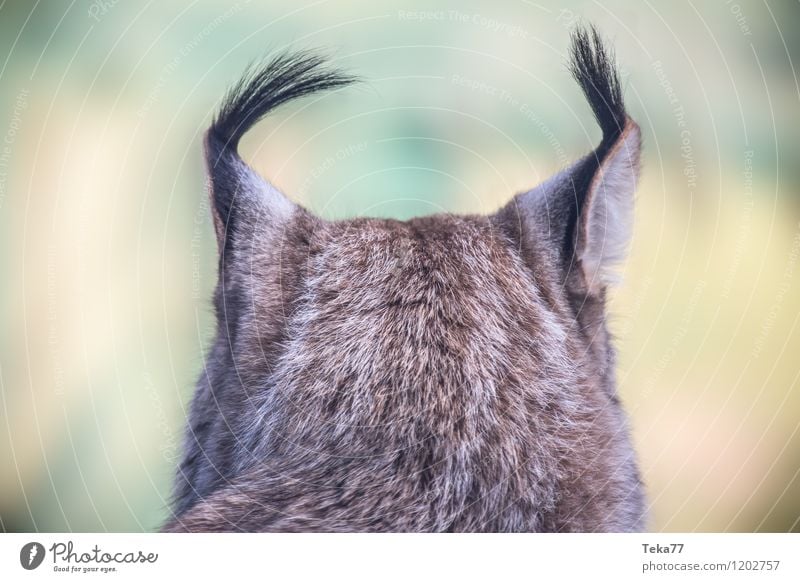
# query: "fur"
x,y
447,373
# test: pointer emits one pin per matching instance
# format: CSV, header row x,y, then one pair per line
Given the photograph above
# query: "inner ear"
x,y
605,220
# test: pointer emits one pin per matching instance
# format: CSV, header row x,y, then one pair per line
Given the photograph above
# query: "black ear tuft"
x,y
592,65
583,215
287,76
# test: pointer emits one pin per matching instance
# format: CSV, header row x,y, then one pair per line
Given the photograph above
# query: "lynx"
x,y
442,374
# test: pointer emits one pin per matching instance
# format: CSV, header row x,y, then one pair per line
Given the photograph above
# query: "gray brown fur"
x,y
448,373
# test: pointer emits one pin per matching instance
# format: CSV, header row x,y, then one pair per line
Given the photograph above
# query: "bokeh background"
x,y
108,253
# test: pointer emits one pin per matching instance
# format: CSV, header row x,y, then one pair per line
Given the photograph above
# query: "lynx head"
x,y
442,373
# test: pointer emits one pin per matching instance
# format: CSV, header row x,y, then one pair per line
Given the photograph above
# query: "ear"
x,y
241,200
583,215
606,219
239,195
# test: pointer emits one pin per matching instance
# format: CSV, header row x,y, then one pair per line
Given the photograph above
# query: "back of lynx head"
x,y
448,373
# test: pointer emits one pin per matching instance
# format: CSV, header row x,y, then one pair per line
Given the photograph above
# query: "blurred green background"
x,y
108,253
